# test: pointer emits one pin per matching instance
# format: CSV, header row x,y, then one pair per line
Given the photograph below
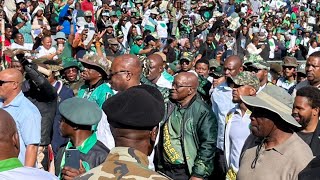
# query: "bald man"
x,y
221,99
125,72
188,135
10,166
24,112
156,70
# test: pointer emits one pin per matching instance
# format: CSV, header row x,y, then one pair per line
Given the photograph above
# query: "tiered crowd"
x,y
160,89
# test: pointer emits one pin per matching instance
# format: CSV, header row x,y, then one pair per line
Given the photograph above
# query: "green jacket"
x,y
199,137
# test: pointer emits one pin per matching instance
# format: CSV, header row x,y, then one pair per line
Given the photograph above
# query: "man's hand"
x,y
69,173
195,178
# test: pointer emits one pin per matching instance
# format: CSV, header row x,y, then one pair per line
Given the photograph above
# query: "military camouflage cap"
x,y
80,111
256,61
186,56
246,78
96,61
302,68
290,62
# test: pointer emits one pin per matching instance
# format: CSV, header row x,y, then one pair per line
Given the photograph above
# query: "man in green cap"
x,y
71,75
135,133
137,47
186,62
256,65
78,117
95,75
238,120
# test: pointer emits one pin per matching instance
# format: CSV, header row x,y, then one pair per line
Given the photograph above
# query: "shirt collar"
x,y
16,101
9,164
87,145
282,148
128,154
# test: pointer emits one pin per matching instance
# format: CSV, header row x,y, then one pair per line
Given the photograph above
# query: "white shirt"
x,y
221,99
26,173
252,49
285,84
163,82
312,50
162,29
43,52
26,46
236,132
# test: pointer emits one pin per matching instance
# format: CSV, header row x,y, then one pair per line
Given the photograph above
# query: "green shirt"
x,y
98,94
135,49
172,138
9,164
67,51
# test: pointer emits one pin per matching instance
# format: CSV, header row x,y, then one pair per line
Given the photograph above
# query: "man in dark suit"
x,y
63,93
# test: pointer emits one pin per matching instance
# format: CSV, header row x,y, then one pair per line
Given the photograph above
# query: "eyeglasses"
x,y
118,72
3,82
176,86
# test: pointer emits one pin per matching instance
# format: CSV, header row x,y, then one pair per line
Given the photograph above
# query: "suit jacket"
x,y
63,93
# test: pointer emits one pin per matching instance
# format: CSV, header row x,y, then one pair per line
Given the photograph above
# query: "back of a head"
x,y
134,113
9,139
131,63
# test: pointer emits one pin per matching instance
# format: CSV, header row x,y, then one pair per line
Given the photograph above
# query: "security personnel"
x,y
134,132
78,116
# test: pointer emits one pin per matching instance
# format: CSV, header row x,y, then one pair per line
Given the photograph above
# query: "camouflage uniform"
x,y
123,163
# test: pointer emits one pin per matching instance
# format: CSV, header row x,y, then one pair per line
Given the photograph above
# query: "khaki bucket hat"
x,y
275,103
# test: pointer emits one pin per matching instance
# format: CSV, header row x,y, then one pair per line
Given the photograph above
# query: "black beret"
x,y
139,107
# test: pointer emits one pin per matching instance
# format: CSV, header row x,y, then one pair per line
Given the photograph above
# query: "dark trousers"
x,y
219,172
176,172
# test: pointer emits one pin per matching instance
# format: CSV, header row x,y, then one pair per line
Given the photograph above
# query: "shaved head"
x,y
190,78
156,67
125,72
232,66
11,84
184,87
11,75
129,62
9,138
156,58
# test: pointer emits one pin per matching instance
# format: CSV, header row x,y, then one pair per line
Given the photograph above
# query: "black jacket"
x,y
43,95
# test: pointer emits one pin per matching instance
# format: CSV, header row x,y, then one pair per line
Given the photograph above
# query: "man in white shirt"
x,y
155,73
19,43
252,47
46,50
238,119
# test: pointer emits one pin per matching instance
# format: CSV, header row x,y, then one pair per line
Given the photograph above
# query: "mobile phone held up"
x,y
72,157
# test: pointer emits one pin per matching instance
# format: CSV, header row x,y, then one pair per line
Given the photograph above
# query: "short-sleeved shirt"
x,y
282,162
28,121
135,49
12,169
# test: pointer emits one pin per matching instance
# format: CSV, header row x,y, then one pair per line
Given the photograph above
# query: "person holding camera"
x,y
22,22
65,17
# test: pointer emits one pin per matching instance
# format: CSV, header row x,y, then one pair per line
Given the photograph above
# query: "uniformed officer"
x,y
78,116
134,115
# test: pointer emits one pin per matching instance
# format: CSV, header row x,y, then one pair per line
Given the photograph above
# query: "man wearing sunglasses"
x,y
24,112
289,71
259,67
186,62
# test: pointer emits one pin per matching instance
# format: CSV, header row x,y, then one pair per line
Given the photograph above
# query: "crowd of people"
x,y
160,89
